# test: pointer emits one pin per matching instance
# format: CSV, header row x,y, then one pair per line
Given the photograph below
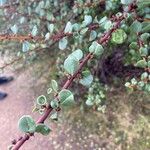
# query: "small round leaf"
x,y
78,54
43,129
27,124
71,65
141,63
54,85
41,100
66,98
119,36
87,19
34,31
68,28
93,35
54,104
96,48
63,43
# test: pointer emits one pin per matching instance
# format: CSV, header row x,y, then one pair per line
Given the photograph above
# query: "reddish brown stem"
x,y
20,37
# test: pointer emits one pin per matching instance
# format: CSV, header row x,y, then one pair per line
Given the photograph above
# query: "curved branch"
x,y
103,40
49,109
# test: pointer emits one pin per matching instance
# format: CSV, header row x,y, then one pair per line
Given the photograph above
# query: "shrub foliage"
x,y
85,30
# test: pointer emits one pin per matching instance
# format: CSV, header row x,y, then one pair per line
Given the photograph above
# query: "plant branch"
x,y
103,40
19,37
22,140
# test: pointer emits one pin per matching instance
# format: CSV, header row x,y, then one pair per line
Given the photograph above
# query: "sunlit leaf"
x,y
71,65
54,85
43,129
63,43
27,124
14,29
66,98
119,36
25,46
68,28
34,31
41,100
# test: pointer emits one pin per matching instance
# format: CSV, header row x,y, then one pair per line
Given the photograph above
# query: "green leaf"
x,y
134,45
49,90
145,36
27,124
103,20
148,63
43,129
89,102
66,98
68,28
141,84
41,111
133,81
119,36
96,48
63,43
41,4
143,3
144,75
49,16
76,27
78,54
54,104
147,87
50,27
102,108
42,12
146,28
87,20
47,4
54,85
141,63
136,26
84,30
14,29
126,2
127,84
143,51
22,20
71,65
108,25
47,36
34,31
25,46
41,100
87,78
93,35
